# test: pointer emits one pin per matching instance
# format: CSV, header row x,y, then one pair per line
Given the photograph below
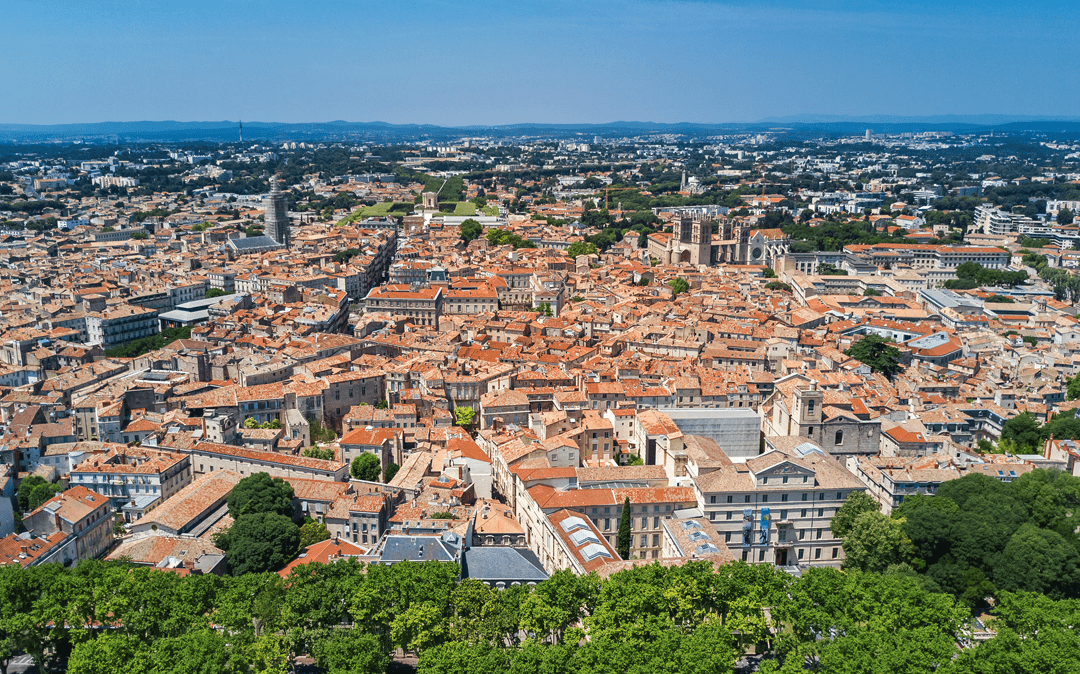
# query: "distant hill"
x,y
174,131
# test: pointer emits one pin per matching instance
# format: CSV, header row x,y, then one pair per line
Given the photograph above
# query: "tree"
x,y
623,541
32,490
139,236
264,541
215,292
348,652
679,285
778,285
878,353
1065,217
876,542
870,292
259,493
1039,560
316,453
391,471
366,467
108,654
1062,427
464,416
768,273
1023,431
581,248
471,229
311,532
856,503
1073,390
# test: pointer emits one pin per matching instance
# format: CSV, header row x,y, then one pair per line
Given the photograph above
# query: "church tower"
x,y
701,241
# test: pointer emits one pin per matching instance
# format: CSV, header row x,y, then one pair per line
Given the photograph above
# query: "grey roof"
x,y
399,548
502,564
254,242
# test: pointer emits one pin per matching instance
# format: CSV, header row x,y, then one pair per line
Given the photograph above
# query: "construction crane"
x,y
609,188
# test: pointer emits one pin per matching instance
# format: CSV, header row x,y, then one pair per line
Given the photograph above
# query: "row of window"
x,y
640,509
765,497
732,514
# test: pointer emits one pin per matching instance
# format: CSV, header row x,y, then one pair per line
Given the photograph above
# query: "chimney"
x,y
188,564
24,549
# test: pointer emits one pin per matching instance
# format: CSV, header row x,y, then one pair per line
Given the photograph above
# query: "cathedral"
x,y
691,241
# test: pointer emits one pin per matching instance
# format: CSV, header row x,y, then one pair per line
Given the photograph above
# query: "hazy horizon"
x,y
488,63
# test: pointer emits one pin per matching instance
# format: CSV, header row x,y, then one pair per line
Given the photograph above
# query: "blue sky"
x,y
498,62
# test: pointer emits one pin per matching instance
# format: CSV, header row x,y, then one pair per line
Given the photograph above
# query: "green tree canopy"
x,y
366,467
856,503
259,493
391,470
878,353
1022,431
581,248
471,229
264,541
311,532
679,285
464,416
623,541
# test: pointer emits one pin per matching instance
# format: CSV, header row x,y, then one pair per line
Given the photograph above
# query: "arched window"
x,y
839,438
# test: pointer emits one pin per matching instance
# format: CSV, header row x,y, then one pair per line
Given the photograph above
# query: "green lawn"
x,y
465,208
379,210
491,209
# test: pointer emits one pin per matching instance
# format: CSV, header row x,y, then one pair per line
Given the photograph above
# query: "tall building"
x,y
277,217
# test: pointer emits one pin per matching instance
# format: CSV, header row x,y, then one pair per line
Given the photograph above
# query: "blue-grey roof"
x,y
254,242
400,548
502,564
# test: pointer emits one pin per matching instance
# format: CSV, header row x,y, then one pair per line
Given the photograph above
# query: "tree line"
x,y
698,619
977,539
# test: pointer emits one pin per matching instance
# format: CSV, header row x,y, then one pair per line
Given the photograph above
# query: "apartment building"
x,y
777,507
423,305
136,479
82,515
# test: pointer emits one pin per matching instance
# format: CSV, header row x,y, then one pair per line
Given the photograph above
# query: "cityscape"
x,y
799,394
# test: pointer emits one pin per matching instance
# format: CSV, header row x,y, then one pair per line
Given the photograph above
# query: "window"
x,y
804,512
644,522
839,439
783,497
818,534
712,516
804,497
821,496
783,515
802,534
835,553
727,536
607,527
809,408
656,523
764,498
785,479
748,498
644,540
727,515
761,556
821,512
765,480
712,499
800,553
839,496
817,553
729,498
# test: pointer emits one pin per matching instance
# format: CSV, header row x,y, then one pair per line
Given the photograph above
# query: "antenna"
x,y
241,131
